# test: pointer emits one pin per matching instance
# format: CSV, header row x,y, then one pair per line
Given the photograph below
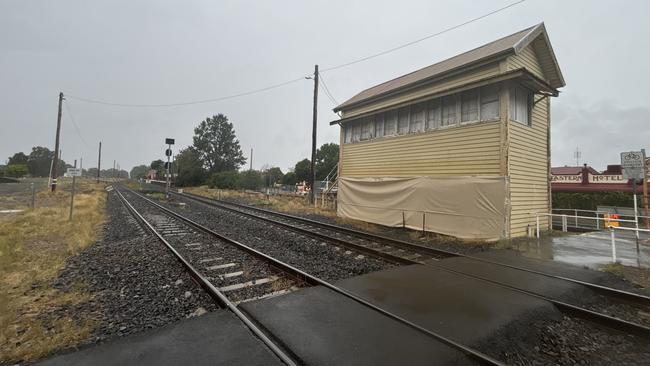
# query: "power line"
x,y
274,86
327,91
186,103
422,39
67,107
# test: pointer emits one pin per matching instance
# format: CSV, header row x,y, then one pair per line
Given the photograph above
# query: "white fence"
x,y
608,223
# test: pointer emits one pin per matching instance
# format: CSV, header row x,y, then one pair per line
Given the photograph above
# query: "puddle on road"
x,y
592,249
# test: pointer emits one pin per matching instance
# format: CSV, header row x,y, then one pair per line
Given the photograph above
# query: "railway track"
x,y
402,252
216,263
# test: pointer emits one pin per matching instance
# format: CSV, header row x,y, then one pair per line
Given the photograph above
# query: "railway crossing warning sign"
x,y
633,163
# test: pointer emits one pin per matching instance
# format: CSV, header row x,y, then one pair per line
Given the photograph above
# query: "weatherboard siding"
x,y
528,167
465,150
526,59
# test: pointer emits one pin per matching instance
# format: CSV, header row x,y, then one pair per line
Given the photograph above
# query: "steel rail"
x,y
421,249
590,315
474,354
357,247
217,295
626,296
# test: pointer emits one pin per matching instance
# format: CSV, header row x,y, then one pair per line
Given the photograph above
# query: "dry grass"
x,y
290,204
33,248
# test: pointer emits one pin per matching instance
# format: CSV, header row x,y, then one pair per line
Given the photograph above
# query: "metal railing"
x,y
609,224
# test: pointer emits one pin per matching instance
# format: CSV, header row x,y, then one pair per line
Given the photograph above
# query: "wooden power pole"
x,y
56,144
99,161
312,171
646,220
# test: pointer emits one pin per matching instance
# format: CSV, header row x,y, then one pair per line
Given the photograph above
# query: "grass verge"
x,y
34,246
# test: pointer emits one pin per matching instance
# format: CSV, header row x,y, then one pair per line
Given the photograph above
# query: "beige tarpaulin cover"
x,y
465,207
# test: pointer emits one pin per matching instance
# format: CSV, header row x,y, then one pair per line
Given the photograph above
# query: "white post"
x,y
597,221
636,218
575,215
564,223
537,223
611,230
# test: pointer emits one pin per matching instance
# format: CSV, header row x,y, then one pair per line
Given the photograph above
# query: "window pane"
x,y
348,133
417,118
433,114
489,102
356,132
519,102
379,125
390,124
449,110
366,134
403,121
469,106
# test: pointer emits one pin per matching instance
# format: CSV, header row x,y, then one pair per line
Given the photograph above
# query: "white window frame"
x,y
478,106
498,100
513,105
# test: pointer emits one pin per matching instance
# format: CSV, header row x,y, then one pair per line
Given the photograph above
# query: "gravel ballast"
x,y
313,256
135,282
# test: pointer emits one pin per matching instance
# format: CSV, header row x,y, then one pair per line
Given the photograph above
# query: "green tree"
x,y
272,176
18,158
189,168
301,170
16,170
40,160
250,179
159,166
217,145
138,172
327,156
289,179
225,180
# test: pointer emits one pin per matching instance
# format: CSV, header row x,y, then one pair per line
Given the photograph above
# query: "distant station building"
x,y
585,179
460,147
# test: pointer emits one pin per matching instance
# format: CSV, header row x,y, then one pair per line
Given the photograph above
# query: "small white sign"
x,y
109,188
632,163
74,172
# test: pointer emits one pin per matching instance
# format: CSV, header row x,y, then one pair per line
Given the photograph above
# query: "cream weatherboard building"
x,y
461,147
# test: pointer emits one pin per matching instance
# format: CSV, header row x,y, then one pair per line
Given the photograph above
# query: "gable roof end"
x,y
498,49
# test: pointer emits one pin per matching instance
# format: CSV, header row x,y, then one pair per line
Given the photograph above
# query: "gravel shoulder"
x,y
133,281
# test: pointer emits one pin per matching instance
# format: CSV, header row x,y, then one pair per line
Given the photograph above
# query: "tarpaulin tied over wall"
x,y
465,207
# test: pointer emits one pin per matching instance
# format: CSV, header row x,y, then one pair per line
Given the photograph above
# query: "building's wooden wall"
x,y
527,59
466,150
474,149
527,157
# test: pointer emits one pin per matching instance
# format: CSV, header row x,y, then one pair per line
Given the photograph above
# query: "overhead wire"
x,y
87,100
274,86
74,123
327,90
446,30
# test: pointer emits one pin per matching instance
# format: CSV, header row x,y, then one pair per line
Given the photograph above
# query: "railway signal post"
x,y
168,152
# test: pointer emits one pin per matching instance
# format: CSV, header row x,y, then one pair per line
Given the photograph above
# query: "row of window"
x,y
480,104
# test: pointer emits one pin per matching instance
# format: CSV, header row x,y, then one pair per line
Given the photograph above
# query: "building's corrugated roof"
x,y
491,49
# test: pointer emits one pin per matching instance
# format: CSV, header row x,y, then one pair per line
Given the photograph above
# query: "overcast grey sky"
x,y
152,52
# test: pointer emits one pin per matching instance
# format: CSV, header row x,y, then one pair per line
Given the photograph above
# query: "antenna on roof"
x,y
577,155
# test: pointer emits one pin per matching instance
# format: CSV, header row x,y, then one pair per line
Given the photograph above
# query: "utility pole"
x,y
251,163
114,175
74,177
646,220
99,161
312,171
56,144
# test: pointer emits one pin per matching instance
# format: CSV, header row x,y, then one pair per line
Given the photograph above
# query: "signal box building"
x,y
461,147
